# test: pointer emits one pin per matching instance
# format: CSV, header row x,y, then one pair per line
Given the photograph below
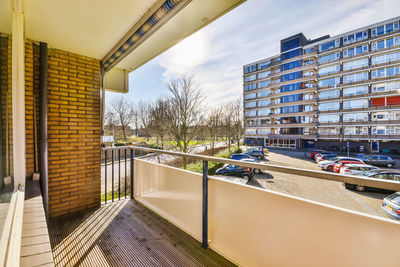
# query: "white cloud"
x,y
216,54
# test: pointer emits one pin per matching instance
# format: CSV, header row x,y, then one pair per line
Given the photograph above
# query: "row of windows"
x,y
259,94
356,37
291,54
329,45
385,72
360,117
387,58
260,112
360,63
355,77
361,90
253,122
254,131
360,36
259,66
260,103
291,76
388,28
360,76
291,65
359,50
350,104
387,43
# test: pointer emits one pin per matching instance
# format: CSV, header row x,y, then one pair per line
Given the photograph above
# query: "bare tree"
x,y
144,115
135,120
158,120
233,122
184,112
213,126
123,112
237,120
228,121
109,123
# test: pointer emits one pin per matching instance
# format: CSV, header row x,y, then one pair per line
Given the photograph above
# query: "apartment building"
x,y
330,92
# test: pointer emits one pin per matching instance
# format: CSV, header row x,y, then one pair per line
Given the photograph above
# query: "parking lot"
x,y
329,192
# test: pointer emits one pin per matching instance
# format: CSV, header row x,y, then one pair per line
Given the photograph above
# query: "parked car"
x,y
234,170
357,168
312,154
379,160
377,174
264,149
328,164
256,171
338,165
324,156
391,205
255,152
241,156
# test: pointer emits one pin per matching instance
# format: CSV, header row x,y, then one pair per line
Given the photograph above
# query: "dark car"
x,y
255,171
377,174
241,156
379,160
234,170
256,152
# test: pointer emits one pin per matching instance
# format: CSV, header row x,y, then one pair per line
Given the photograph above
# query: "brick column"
x,y
74,132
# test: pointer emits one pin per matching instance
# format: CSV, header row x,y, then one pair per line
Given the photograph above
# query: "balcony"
x,y
209,210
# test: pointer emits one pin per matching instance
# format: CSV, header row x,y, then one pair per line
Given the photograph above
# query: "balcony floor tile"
x,y
125,233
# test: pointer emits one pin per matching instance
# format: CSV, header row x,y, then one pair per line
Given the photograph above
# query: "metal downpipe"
x,y
43,126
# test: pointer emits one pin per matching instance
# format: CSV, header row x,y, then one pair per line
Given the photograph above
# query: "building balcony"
x,y
373,137
301,102
293,114
301,68
293,136
302,91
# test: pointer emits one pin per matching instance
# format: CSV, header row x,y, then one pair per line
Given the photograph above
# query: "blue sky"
x,y
252,31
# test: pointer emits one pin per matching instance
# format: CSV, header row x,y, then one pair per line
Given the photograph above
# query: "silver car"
x,y
391,205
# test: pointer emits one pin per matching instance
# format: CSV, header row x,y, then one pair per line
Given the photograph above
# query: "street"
x,y
328,192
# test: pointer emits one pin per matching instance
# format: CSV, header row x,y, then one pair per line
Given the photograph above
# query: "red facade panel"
x,y
379,101
393,100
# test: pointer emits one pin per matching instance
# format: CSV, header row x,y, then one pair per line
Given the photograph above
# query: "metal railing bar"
x,y
119,174
204,242
125,174
112,176
131,178
105,176
371,182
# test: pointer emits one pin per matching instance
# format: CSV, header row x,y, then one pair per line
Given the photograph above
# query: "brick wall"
x,y
74,132
6,107
31,97
73,124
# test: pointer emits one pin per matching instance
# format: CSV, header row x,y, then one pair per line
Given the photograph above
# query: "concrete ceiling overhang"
x,y
95,27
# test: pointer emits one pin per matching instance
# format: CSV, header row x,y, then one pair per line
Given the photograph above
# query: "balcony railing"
x,y
257,227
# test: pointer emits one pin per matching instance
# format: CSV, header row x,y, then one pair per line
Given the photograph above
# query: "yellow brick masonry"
x,y
74,132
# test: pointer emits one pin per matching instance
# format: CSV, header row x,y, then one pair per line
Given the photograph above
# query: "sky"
x,y
215,55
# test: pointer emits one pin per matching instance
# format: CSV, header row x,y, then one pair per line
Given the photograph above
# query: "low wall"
x,y
255,227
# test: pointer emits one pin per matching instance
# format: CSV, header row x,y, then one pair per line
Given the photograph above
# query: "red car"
x,y
340,164
315,152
